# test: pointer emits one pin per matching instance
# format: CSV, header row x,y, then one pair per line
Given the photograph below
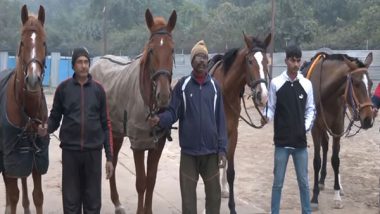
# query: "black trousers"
x,y
190,168
81,181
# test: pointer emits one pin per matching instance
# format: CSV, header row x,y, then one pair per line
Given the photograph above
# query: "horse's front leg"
x,y
138,156
231,169
25,197
38,195
335,161
225,191
154,156
13,193
316,133
117,143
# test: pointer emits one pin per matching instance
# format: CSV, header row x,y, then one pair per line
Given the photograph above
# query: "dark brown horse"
x,y
136,90
238,68
23,107
340,82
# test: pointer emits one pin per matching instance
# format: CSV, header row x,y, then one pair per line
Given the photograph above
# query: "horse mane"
x,y
213,61
229,58
339,57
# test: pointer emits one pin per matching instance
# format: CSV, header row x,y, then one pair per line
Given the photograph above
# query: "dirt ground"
x,y
360,170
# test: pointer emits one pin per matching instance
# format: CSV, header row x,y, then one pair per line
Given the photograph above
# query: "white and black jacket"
x,y
291,107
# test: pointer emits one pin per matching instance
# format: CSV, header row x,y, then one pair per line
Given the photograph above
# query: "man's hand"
x,y
264,120
42,130
222,160
109,169
153,121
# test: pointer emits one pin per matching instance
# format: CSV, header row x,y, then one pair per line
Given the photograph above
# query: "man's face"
x,y
293,64
81,66
199,63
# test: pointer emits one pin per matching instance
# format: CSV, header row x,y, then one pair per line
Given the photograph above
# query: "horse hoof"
x,y
225,194
27,211
338,204
314,207
120,210
341,192
321,187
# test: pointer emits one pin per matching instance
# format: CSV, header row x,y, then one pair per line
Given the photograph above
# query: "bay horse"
x,y
23,108
339,82
247,66
136,90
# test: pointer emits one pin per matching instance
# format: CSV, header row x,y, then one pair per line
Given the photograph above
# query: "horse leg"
x,y
225,191
325,148
138,156
231,170
152,165
25,198
316,133
38,195
13,193
7,202
117,143
335,161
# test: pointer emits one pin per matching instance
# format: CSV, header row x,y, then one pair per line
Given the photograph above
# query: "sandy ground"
x,y
360,170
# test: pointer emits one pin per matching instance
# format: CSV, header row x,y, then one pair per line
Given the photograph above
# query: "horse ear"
x,y
149,19
368,60
172,21
248,41
268,40
24,14
41,14
351,65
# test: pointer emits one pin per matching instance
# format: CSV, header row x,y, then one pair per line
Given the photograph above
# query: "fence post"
x,y
54,72
3,60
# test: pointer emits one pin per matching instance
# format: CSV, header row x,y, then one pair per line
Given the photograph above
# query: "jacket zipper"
x,y
82,119
200,116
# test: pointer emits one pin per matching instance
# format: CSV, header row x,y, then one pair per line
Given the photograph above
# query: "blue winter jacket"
x,y
200,111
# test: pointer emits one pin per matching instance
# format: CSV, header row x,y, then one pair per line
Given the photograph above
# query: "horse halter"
x,y
25,66
350,96
155,74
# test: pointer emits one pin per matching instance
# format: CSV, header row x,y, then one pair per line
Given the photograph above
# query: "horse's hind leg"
x,y
117,143
13,193
138,156
152,165
325,148
25,197
335,161
317,135
38,195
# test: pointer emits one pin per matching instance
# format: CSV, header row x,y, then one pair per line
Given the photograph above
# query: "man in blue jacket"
x,y
197,104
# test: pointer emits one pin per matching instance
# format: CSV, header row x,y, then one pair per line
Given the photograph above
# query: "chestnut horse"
x,y
339,82
23,107
238,68
136,90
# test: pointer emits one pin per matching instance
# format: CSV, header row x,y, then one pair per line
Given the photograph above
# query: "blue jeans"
x,y
300,159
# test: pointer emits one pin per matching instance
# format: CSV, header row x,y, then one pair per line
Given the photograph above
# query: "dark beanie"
x,y
79,52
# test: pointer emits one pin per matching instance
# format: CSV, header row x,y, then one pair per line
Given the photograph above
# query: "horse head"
x,y
358,91
157,61
257,68
31,60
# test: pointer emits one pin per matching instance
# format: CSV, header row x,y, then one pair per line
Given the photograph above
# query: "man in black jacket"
x,y
85,130
291,107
